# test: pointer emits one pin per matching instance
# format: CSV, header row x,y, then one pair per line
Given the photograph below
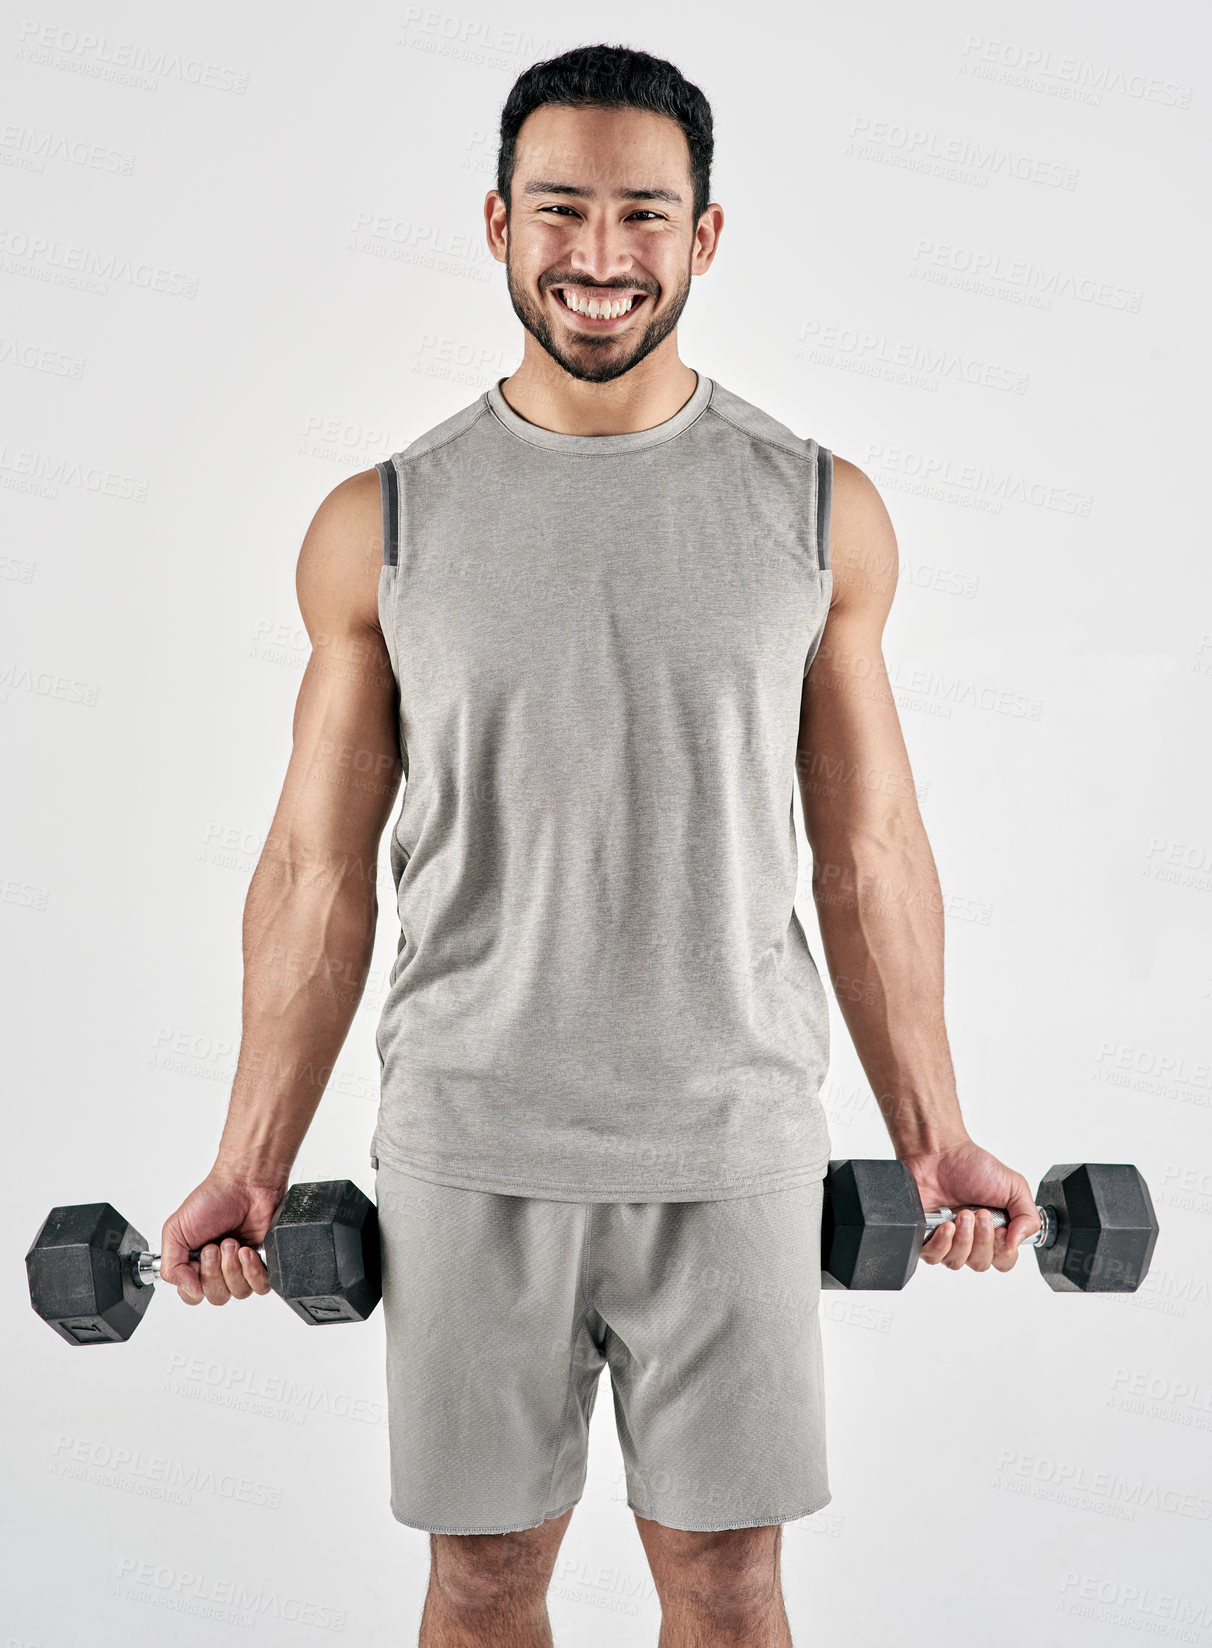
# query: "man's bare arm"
x,y
309,919
874,880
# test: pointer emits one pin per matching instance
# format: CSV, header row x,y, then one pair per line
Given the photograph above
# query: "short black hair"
x,y
610,77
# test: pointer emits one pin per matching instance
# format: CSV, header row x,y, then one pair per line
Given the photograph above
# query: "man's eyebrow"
x,y
547,186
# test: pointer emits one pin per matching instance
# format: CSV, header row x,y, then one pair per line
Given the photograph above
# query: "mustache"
x,y
595,286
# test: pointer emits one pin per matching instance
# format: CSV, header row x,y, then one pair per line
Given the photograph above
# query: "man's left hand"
x,y
970,1182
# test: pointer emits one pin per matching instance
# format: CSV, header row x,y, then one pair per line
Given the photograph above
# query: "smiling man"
x,y
598,333
600,620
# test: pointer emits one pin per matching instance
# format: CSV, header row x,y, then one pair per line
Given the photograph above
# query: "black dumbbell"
x,y
91,1274
1097,1226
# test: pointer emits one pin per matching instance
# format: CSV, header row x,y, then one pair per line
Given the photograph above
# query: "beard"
x,y
585,357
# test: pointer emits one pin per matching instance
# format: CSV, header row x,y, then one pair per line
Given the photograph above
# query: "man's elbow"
x,y
869,837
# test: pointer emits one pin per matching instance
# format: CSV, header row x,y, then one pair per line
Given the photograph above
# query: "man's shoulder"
x,y
342,552
754,423
856,498
863,549
442,433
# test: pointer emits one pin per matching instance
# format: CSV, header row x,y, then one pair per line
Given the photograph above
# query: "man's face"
x,y
585,240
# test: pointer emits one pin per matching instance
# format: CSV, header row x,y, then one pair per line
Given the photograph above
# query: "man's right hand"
x,y
218,1209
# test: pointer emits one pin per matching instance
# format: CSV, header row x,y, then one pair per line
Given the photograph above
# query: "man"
x,y
597,619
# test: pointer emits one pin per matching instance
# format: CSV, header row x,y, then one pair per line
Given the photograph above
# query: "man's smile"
x,y
599,308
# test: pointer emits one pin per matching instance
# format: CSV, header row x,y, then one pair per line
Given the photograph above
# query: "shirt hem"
x,y
758,1184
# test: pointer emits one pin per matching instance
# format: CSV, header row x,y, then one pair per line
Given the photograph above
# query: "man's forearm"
x,y
881,921
308,936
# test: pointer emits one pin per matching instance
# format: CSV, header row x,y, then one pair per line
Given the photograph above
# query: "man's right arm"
x,y
312,906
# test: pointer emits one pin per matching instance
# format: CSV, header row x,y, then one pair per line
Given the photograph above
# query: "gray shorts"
x,y
501,1312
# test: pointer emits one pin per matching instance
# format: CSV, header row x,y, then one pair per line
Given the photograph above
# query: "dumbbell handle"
x,y
147,1265
1044,1236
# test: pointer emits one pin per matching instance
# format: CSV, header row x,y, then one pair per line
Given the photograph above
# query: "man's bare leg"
x,y
490,1590
717,1590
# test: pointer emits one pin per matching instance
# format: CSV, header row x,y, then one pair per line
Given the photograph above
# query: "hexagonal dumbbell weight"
x,y
91,1274
1097,1226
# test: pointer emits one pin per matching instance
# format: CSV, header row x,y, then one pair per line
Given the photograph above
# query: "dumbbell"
x,y
1097,1226
91,1274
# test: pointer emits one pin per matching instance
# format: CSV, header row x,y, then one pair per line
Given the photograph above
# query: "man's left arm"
x,y
878,898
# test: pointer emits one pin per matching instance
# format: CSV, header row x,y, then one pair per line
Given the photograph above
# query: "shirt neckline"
x,y
554,440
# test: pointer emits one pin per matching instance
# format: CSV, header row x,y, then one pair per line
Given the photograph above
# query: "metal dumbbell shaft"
x,y
1044,1236
146,1266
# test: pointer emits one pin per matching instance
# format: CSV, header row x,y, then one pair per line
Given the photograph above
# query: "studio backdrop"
x,y
242,256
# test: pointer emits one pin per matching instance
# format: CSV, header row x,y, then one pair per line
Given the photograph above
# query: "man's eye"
x,y
642,212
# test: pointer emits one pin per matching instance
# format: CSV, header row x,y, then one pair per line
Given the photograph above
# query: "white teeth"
x,y
594,309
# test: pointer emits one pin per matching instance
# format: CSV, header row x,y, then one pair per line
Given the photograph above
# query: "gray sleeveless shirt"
x,y
602,990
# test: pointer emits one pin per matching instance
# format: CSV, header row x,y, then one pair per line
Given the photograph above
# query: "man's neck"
x,y
549,397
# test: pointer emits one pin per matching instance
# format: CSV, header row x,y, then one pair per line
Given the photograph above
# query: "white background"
x,y
966,248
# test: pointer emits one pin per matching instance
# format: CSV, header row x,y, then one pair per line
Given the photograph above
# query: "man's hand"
x,y
968,1180
219,1208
